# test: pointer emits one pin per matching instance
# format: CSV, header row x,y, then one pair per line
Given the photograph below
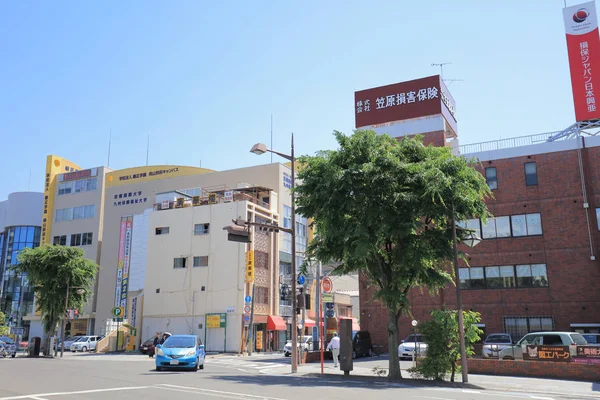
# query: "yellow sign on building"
x,y
250,266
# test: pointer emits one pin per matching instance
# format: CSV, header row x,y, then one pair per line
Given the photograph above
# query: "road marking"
x,y
242,370
32,396
541,398
37,398
433,398
214,392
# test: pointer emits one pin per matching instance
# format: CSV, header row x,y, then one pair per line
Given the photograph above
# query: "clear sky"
x,y
203,77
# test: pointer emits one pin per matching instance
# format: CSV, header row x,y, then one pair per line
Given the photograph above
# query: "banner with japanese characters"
x,y
405,100
120,260
583,46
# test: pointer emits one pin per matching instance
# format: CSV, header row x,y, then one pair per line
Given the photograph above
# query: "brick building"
x,y
536,267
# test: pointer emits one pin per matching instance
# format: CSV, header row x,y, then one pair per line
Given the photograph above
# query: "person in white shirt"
x,y
334,346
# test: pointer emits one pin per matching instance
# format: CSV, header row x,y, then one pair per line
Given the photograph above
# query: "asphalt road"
x,y
116,377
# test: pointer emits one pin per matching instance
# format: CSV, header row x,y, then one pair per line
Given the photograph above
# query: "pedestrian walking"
x,y
334,346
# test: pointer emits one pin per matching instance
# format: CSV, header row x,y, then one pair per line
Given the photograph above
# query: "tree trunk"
x,y
394,366
453,370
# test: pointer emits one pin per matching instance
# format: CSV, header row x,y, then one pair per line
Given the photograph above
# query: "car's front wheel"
x,y
83,349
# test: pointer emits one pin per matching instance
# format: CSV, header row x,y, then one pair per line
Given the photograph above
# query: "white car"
x,y
68,342
306,342
407,347
85,343
8,347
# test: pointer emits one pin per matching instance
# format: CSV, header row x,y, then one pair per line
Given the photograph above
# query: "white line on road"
x,y
215,392
37,398
541,398
32,396
433,398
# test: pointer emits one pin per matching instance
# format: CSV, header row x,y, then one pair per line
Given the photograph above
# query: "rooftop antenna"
x,y
147,150
441,65
109,140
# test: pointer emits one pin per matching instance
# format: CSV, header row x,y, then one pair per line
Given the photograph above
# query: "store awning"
x,y
275,323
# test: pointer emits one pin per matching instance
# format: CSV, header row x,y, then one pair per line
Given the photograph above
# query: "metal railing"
x,y
505,143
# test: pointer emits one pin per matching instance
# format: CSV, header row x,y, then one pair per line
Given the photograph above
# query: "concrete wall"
x,y
21,209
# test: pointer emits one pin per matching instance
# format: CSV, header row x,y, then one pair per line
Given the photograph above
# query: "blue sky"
x,y
202,78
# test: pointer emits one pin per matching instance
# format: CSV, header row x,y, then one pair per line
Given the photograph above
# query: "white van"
x,y
571,339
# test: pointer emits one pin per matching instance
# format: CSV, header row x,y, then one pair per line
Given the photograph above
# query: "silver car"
x,y
571,339
495,343
9,346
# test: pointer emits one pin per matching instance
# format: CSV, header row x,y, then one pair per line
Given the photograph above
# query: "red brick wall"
x,y
538,369
572,295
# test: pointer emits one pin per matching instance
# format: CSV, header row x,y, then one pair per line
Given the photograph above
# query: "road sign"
x,y
118,311
328,298
247,319
248,299
247,309
414,322
327,285
301,280
17,331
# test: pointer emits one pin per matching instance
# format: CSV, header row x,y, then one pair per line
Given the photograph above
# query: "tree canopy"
x,y
50,269
384,207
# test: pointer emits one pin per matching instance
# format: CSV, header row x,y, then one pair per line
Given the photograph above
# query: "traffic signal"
x,y
307,301
300,301
329,310
236,233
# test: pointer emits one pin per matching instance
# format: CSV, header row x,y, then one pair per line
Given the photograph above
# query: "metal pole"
x,y
301,360
461,322
251,326
62,334
294,299
318,314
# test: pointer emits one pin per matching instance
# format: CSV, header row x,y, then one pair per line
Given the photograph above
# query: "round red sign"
x,y
327,285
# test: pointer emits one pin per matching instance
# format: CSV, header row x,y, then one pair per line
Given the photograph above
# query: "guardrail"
x,y
505,143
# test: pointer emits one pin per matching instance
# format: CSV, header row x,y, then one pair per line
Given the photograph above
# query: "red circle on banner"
x,y
327,285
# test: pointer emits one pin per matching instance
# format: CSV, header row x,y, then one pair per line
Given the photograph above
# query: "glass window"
x,y
492,277
489,229
78,212
539,275
30,233
179,262
17,234
23,235
598,218
502,226
201,229
524,278
56,240
463,277
534,224
474,225
36,236
507,273
91,184
79,186
201,261
491,178
287,216
87,238
531,174
76,239
477,280
162,230
90,211
519,225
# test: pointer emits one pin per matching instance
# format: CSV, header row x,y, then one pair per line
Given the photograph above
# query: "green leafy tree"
x,y
443,344
51,270
383,207
4,328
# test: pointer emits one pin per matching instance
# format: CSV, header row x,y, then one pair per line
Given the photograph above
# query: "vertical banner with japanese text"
x,y
120,260
126,263
583,46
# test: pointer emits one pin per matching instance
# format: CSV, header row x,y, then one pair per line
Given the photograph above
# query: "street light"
x,y
470,240
260,149
80,290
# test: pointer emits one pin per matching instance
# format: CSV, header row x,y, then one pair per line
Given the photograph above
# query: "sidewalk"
x,y
574,389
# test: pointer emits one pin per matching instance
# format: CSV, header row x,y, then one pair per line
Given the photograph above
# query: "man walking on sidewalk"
x,y
334,346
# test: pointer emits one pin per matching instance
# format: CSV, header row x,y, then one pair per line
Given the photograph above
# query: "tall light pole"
x,y
471,241
259,149
80,290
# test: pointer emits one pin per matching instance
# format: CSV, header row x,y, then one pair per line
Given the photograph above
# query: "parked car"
x,y
180,351
10,346
147,347
68,342
85,343
571,339
362,345
593,339
495,343
407,346
306,342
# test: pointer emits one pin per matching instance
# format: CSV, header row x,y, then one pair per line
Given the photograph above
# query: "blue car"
x,y
180,352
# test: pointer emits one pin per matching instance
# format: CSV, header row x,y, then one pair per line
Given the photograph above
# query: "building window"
x,y
598,217
69,214
518,327
87,239
201,261
261,295
503,277
531,174
491,178
179,262
60,240
201,229
496,227
78,186
162,230
526,224
76,239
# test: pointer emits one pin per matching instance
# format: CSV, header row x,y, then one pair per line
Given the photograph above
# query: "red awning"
x,y
275,323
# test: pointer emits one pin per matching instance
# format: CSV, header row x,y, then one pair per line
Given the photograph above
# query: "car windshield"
x,y
492,339
411,339
73,339
7,340
578,339
179,342
82,339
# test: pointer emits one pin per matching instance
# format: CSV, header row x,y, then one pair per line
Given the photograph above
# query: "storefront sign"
x,y
133,310
72,176
259,340
216,321
249,266
126,262
588,352
228,196
547,353
127,198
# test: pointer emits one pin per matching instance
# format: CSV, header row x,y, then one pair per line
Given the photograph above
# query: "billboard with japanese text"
x,y
405,100
583,46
